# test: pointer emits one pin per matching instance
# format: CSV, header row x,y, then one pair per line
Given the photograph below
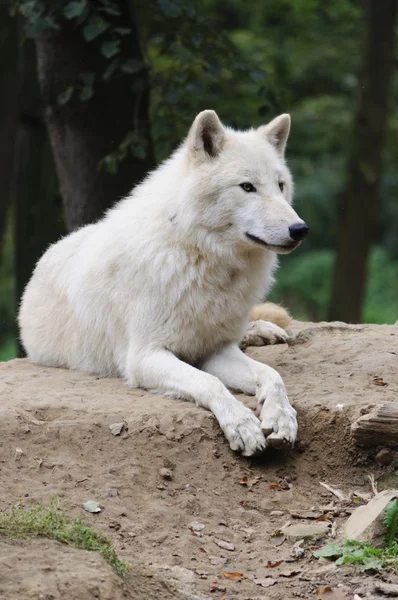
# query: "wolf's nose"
x,y
298,231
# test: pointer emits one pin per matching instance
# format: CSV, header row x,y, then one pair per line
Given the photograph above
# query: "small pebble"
x,y
166,474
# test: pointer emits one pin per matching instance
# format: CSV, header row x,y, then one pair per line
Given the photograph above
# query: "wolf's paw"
x,y
243,431
262,333
279,422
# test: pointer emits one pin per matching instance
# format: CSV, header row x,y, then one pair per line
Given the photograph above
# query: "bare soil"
x,y
60,421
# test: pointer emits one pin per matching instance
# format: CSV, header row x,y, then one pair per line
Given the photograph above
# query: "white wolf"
x,y
160,290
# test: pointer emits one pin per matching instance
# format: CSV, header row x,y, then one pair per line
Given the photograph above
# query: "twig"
x,y
338,493
373,483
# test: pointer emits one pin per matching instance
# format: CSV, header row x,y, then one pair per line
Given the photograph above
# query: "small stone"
x,y
117,428
265,581
224,545
18,453
166,474
196,526
366,524
303,530
384,457
91,506
276,513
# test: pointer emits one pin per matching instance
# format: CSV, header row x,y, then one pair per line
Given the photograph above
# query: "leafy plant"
x,y
364,555
391,522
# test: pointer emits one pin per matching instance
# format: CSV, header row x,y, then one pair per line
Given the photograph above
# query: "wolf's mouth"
x,y
278,249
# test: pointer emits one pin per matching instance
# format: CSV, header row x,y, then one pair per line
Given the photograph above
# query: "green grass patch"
x,y
52,523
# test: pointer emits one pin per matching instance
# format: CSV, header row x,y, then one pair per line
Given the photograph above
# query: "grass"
x,y
52,523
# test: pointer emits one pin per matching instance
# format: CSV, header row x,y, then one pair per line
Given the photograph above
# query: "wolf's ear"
x,y
206,136
277,132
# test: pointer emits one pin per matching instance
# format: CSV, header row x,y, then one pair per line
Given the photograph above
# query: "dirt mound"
x,y
170,466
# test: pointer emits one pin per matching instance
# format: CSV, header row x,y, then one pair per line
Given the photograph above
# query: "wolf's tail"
x,y
271,312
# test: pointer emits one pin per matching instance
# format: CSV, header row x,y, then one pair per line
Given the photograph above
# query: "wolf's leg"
x,y
162,372
262,333
239,372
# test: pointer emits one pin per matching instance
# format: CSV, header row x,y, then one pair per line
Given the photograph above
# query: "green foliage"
x,y
391,522
94,27
248,61
362,555
303,283
52,523
74,9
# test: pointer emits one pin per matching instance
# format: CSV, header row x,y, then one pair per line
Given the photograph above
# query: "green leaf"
x,y
65,96
110,163
110,7
87,90
133,65
258,75
391,521
169,8
122,30
329,551
94,27
111,68
109,49
371,564
74,9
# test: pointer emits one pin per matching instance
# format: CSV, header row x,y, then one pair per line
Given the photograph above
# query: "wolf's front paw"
x,y
243,431
262,333
279,422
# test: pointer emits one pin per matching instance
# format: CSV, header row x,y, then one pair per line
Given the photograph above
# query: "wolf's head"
x,y
239,186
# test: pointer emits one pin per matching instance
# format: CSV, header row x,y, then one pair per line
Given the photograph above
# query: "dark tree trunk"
x,y
38,207
361,198
84,132
8,109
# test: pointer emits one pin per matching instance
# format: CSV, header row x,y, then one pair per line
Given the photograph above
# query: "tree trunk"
x,y
8,109
38,219
84,132
361,197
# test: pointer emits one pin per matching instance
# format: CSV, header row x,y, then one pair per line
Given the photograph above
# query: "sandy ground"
x,y
60,420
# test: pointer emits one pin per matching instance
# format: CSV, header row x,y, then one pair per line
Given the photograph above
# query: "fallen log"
x,y
379,426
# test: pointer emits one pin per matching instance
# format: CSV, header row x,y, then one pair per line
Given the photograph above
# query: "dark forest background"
x,y
93,93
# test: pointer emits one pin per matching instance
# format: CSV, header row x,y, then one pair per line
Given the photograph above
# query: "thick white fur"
x,y
160,290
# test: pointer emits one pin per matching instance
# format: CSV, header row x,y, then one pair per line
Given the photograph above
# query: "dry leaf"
x,y
306,514
279,486
249,481
278,538
233,575
272,565
216,587
379,381
290,573
265,582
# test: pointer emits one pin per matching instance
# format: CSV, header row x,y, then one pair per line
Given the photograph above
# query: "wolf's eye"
x,y
281,185
248,187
